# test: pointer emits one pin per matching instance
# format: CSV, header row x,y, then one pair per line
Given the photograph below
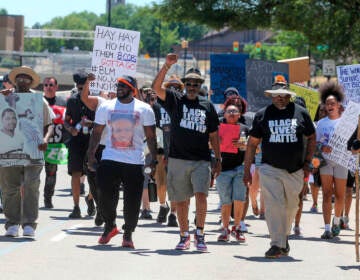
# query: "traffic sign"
x,y
328,67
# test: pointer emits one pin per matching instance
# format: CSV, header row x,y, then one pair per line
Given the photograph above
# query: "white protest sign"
x,y
343,131
349,78
115,53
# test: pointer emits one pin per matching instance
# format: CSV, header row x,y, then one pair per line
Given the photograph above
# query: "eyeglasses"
x,y
191,85
232,111
23,80
48,85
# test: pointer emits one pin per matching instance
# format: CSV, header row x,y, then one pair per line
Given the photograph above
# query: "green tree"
x,y
332,23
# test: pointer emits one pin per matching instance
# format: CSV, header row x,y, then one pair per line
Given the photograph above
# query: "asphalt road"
x,y
68,249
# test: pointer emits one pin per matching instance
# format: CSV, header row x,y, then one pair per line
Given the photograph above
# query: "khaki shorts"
x,y
187,177
160,173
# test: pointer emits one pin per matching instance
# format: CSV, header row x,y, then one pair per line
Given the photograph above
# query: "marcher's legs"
x,y
31,195
327,189
50,181
182,208
75,187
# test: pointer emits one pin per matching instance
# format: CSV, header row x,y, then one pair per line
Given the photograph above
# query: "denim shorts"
x,y
230,185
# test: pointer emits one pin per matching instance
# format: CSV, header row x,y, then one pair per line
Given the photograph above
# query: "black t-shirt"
x,y
76,109
282,134
164,123
230,160
191,123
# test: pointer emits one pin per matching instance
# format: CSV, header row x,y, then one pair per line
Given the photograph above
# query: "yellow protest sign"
x,y
310,95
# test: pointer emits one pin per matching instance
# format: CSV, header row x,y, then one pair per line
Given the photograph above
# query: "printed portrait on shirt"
x,y
122,127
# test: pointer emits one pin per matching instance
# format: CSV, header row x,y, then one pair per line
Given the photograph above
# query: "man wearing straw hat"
x,y
20,184
281,128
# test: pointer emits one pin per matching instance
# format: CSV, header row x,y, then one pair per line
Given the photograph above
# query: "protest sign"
x,y
115,53
228,133
21,129
227,70
259,77
349,79
310,95
343,131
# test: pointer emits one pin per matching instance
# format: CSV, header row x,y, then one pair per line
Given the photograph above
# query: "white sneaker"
x,y
12,231
29,231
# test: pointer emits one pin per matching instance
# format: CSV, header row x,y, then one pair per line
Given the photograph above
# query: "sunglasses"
x,y
277,95
48,85
278,86
24,80
232,111
191,84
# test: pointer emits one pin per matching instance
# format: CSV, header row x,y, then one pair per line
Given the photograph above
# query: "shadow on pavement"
x,y
16,239
265,260
344,267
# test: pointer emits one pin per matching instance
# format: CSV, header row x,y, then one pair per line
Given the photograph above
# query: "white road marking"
x,y
63,234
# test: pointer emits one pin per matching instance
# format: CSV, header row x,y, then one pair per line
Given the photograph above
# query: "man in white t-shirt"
x,y
123,157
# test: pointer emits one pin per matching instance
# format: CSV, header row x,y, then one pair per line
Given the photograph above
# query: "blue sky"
x,y
43,11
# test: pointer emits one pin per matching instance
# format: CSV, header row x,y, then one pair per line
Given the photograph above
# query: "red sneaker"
x,y
238,235
107,235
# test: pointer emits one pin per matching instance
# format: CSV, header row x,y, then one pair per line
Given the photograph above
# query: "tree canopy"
x,y
333,24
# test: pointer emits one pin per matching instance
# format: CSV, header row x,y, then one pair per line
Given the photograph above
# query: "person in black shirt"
x,y
281,128
194,123
78,121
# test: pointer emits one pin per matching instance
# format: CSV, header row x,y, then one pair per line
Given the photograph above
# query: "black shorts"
x,y
317,178
77,155
350,180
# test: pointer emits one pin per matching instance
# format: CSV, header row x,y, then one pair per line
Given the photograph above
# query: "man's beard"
x,y
124,96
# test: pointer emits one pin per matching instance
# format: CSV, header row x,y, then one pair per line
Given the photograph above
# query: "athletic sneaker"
x,y
145,215
184,243
243,228
344,222
314,209
28,231
297,230
199,242
12,231
273,253
327,235
172,222
224,236
108,234
335,229
238,234
76,213
90,206
163,212
127,244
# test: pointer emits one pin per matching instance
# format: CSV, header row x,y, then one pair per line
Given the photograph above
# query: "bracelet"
x,y
166,66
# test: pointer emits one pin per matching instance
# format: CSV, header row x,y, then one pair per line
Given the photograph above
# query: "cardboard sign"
x,y
228,133
259,77
115,53
342,133
310,95
349,78
227,70
21,129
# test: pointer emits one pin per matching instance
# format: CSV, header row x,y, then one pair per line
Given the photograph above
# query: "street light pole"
x,y
109,12
184,45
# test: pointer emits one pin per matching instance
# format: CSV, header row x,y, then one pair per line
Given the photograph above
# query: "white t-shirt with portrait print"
x,y
125,129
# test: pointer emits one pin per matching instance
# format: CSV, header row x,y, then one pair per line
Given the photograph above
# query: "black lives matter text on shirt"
x,y
191,123
282,134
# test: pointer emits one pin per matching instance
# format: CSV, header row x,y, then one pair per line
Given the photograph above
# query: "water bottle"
x,y
152,190
243,139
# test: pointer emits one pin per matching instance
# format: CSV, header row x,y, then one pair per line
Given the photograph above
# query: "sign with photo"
x,y
21,129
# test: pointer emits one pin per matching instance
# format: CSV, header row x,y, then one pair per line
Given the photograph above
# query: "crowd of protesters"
x,y
169,133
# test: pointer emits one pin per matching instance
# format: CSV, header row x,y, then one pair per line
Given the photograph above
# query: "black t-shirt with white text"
x,y
282,134
191,123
